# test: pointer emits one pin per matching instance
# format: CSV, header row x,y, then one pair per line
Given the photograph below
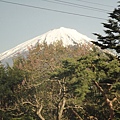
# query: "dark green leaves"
x,y
111,39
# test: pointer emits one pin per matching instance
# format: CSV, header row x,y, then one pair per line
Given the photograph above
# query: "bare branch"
x,y
78,116
108,101
39,112
30,103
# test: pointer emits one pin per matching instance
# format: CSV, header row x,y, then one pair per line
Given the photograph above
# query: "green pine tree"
x,y
111,39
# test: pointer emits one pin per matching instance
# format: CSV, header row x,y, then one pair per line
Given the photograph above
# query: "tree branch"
x,y
108,101
76,114
39,112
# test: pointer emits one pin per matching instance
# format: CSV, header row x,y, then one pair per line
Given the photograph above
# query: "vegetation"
x,y
59,83
111,39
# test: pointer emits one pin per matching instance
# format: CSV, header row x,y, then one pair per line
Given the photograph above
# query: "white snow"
x,y
66,35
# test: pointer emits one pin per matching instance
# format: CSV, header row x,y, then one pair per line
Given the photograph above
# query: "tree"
x,y
38,93
111,39
75,79
91,83
10,80
57,83
2,88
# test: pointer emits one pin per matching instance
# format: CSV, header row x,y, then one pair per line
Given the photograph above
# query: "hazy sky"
x,y
20,23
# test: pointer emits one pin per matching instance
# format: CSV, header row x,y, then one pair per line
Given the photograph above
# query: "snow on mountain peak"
x,y
66,35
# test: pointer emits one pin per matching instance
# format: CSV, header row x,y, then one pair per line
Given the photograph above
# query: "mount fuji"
x,y
66,35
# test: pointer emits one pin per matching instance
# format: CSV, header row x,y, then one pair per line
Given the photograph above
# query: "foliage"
x,y
60,84
10,80
38,92
81,76
111,39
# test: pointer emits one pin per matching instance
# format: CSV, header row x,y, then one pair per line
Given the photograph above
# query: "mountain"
x,y
66,35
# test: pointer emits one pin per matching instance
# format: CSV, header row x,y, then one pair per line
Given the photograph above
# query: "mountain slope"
x,y
66,35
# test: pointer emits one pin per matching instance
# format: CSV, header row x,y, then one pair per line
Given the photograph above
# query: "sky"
x,y
19,23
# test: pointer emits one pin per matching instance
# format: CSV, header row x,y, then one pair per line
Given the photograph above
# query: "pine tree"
x,y
111,39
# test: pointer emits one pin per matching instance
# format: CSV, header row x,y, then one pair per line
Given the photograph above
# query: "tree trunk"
x,y
61,104
39,113
108,101
60,109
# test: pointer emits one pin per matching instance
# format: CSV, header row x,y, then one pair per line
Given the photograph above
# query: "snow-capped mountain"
x,y
66,35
